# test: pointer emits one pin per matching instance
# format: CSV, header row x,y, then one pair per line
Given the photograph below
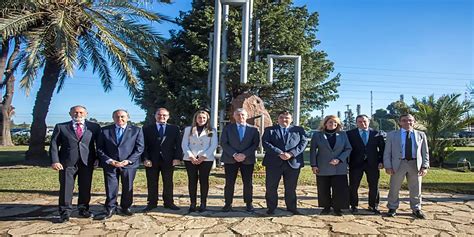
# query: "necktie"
x,y
285,133
79,130
408,154
241,132
119,134
364,137
160,131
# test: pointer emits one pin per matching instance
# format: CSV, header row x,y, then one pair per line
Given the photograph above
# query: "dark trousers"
x,y
112,178
231,171
290,180
67,178
333,191
152,176
372,175
198,172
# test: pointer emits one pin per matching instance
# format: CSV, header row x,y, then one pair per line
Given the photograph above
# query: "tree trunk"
x,y
3,56
7,108
49,80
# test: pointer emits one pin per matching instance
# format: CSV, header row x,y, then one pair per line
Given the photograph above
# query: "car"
x,y
466,134
22,132
49,131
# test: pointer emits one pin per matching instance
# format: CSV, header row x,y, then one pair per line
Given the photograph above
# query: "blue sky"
x,y
391,47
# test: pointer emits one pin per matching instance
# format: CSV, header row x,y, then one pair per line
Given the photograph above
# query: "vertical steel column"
x,y
216,63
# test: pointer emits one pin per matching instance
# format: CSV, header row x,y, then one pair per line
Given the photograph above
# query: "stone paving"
x,y
447,215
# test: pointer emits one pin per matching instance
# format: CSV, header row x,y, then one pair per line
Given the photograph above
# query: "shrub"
x,y
460,142
20,139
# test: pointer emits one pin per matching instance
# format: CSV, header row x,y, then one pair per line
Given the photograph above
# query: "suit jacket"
x,y
393,150
321,153
66,149
202,144
130,147
231,144
274,144
162,151
372,152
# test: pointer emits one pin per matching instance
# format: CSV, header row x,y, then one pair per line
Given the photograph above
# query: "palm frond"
x,y
66,40
62,78
129,9
16,24
33,58
102,30
99,63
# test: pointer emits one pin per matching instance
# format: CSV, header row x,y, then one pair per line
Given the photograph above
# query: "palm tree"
x,y
67,34
440,118
8,64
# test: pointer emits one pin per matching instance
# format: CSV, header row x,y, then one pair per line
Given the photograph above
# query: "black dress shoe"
x,y
337,212
294,211
171,207
106,215
192,207
202,207
271,211
249,207
391,212
127,212
354,209
63,218
227,208
149,208
375,210
325,211
419,214
85,214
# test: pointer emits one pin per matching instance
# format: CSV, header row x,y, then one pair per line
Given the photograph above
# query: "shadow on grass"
x,y
458,188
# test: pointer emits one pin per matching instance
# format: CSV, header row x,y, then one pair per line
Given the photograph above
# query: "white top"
x,y
195,145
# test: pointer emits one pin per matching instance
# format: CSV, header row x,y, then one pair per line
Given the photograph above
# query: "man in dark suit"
x,y
162,152
366,157
119,149
239,142
73,153
284,145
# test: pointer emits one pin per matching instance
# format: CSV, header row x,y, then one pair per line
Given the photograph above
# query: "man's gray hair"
x,y
120,110
240,110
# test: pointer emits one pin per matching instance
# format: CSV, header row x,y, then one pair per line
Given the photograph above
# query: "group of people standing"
x,y
119,148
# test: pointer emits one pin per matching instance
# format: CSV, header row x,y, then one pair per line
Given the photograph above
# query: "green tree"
x,y
439,117
397,108
384,121
63,35
179,79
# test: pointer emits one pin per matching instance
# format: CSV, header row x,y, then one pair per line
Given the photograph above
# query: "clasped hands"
x,y
198,160
148,163
119,164
239,157
333,162
285,156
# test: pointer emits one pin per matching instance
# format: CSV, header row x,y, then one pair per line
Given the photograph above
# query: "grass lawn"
x,y
30,180
461,152
12,154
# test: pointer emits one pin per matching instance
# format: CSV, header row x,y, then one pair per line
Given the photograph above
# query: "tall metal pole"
x,y
257,40
216,63
209,68
297,95
223,71
245,42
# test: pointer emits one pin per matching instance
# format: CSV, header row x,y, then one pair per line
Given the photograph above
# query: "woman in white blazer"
x,y
199,145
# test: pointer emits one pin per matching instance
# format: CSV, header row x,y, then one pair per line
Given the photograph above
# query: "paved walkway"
x,y
447,215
